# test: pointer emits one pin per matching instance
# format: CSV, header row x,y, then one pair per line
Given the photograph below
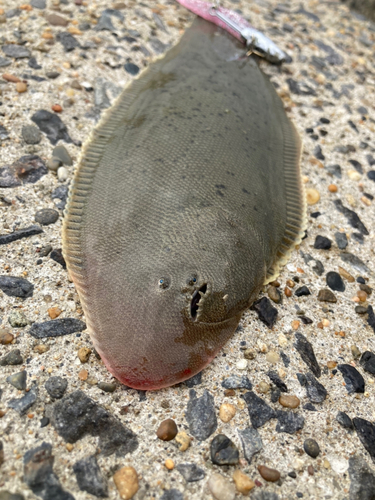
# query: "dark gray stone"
x,y
60,193
57,328
31,134
90,478
316,392
322,243
353,379
201,415
56,387
106,387
4,62
223,451
62,154
259,411
355,262
237,382
306,351
302,291
131,68
341,240
12,358
275,378
367,362
289,422
68,41
362,480
318,153
26,170
172,494
311,447
76,415
38,4
191,472
266,312
16,287
58,257
4,134
157,46
344,420
18,380
52,125
39,476
251,442
21,405
299,87
351,217
193,381
366,433
16,51
46,216
334,170
335,282
371,317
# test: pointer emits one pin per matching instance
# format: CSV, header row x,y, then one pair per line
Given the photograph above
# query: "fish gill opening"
x,y
194,305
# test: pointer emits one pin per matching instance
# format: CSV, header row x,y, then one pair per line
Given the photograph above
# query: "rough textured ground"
x,y
328,90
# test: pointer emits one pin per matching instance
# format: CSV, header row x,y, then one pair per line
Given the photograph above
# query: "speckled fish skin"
x,y
189,188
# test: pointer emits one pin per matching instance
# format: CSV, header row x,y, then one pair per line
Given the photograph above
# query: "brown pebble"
x,y
83,374
243,483
6,337
41,348
10,78
288,292
290,283
167,430
344,273
271,475
332,188
54,312
326,295
229,393
274,294
56,108
289,401
57,20
310,470
126,481
331,364
69,447
2,413
365,288
21,87
183,440
84,354
169,464
226,412
362,295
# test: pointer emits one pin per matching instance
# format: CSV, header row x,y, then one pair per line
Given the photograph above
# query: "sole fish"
x,y
186,200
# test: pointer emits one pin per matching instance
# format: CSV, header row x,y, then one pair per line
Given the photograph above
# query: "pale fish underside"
x,y
186,200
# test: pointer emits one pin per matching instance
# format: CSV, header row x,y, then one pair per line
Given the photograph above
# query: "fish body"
x,y
187,199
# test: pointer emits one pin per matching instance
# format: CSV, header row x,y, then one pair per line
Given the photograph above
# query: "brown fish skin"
x,y
186,200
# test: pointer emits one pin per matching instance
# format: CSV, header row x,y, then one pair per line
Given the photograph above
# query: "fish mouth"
x,y
197,301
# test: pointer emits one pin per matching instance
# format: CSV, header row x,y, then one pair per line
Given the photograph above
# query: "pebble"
x,y
46,216
356,353
56,387
362,477
344,273
57,328
241,364
274,294
76,415
306,351
26,170
89,477
194,380
344,420
52,125
21,87
302,291
38,4
266,312
221,488
31,135
12,358
311,447
201,416
351,217
353,379
250,354
131,68
272,357
107,387
243,483
23,404
62,174
316,392
312,196
18,380
223,451
259,411
53,164
289,401
172,494
270,475
167,430
289,422
237,382
371,317
335,282
62,154
341,240
60,194
355,262
191,472
39,476
251,442
126,482
183,440
5,337
366,432
68,41
326,295
84,354
362,295
54,312
57,256
263,387
322,243
371,175
14,286
226,412
16,51
367,362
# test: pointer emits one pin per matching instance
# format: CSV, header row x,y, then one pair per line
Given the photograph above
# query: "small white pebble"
x,y
62,174
354,175
221,488
241,364
283,341
272,357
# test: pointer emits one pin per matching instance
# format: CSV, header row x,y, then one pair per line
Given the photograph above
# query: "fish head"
x,y
176,300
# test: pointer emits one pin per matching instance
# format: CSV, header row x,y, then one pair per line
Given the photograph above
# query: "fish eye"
x,y
164,283
192,280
